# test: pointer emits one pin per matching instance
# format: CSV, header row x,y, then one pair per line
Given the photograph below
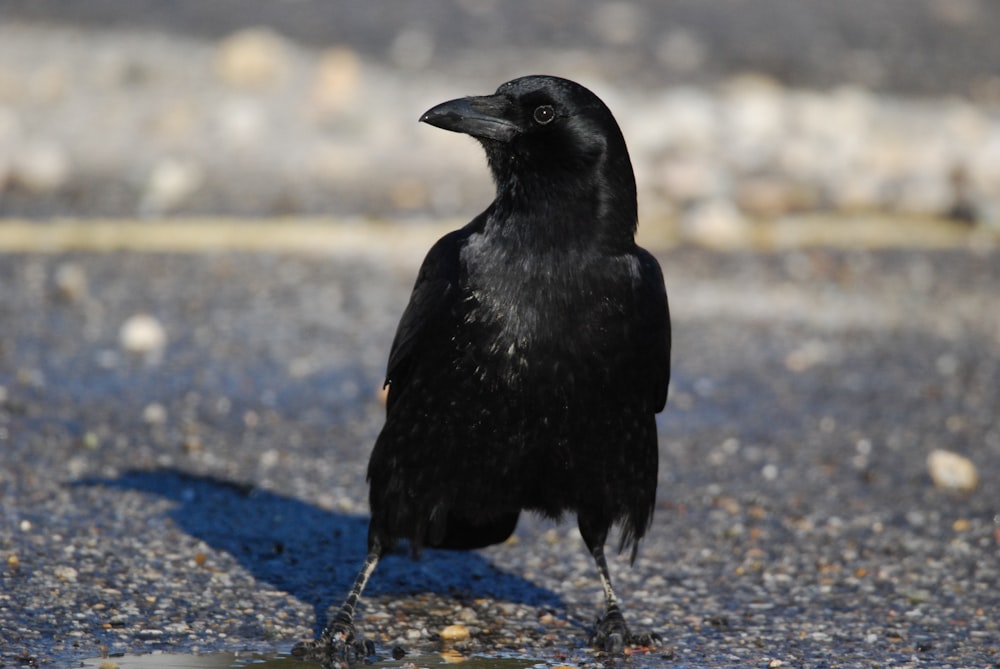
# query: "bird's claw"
x,y
338,644
612,636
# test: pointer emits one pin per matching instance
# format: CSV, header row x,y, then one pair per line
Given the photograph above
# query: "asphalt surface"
x,y
209,495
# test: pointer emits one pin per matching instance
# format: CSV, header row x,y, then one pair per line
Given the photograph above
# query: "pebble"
x,y
170,185
455,632
952,471
453,656
42,168
253,58
337,82
142,333
715,223
70,282
154,414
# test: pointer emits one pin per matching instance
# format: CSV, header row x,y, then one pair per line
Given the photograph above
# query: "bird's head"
x,y
548,138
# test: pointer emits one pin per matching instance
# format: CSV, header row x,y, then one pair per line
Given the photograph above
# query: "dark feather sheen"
x,y
533,355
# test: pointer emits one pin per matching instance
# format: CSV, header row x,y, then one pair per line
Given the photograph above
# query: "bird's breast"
x,y
538,329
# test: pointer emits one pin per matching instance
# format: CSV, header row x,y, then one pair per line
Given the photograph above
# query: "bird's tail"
x,y
633,528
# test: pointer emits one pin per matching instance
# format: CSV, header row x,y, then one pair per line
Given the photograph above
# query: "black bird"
x,y
533,355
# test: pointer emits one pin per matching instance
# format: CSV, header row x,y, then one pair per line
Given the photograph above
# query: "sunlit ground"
x,y
408,238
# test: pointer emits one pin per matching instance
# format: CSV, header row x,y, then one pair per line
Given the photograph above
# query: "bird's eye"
x,y
544,114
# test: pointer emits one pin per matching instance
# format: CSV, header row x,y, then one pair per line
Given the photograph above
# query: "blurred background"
x,y
735,111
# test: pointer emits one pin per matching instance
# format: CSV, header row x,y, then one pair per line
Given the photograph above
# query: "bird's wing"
x,y
655,336
434,292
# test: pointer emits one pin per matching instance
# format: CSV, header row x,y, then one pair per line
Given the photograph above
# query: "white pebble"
x,y
142,333
154,414
41,168
65,573
952,471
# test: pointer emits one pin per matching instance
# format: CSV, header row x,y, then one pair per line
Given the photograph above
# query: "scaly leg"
x,y
339,638
611,634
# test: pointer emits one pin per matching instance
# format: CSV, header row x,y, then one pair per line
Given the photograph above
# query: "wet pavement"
x,y
208,494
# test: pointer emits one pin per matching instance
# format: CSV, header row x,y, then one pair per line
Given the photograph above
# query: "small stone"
x,y
251,58
468,615
13,561
452,656
70,282
192,443
41,168
338,81
154,414
242,122
715,223
142,333
455,633
952,471
66,573
171,184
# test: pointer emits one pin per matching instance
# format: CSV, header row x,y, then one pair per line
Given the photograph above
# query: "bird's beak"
x,y
485,117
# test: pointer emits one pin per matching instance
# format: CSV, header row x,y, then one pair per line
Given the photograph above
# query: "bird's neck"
x,y
554,211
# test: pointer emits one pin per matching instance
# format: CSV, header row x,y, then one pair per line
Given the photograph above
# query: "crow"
x,y
533,355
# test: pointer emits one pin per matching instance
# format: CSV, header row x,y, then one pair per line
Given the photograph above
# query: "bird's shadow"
x,y
311,553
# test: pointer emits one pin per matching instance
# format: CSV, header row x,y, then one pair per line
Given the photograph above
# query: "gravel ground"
x,y
195,482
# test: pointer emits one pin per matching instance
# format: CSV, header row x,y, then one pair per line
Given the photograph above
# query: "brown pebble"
x,y
455,633
452,656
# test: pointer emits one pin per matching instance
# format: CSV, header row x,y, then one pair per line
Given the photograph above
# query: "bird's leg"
x,y
340,630
611,634
339,639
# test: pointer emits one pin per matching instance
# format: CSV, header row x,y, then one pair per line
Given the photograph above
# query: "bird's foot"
x,y
612,635
338,645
